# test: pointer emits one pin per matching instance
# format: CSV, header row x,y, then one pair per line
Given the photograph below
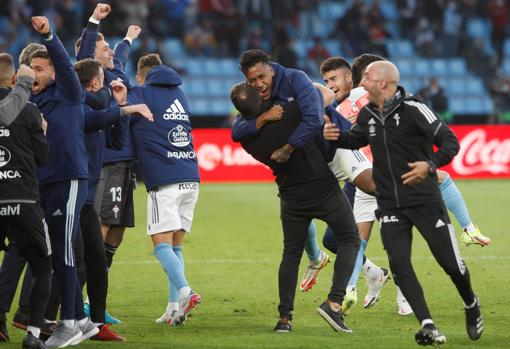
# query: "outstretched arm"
x,y
15,101
68,84
90,33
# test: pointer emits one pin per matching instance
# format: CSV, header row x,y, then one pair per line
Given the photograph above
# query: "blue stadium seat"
x,y
213,67
479,28
474,86
230,68
329,11
439,67
421,67
194,87
200,106
323,29
456,105
507,48
220,107
302,46
405,66
400,48
455,87
173,48
389,10
333,47
194,67
506,66
457,67
216,88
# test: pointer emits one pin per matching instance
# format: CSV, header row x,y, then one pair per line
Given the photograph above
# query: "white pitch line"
x,y
256,261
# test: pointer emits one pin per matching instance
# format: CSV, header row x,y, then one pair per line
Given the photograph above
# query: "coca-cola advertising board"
x,y
484,153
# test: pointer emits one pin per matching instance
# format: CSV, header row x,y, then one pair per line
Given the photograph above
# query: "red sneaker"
x,y
106,334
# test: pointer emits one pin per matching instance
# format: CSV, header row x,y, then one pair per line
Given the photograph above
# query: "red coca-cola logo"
x,y
478,154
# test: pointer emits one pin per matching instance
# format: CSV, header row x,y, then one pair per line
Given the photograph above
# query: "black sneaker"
x,y
474,321
20,320
283,326
30,342
429,335
334,318
4,335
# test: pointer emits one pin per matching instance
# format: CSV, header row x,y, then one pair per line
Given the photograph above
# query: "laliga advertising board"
x,y
484,153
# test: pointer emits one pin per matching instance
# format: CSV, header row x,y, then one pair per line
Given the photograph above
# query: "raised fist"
x,y
101,11
133,32
25,70
41,24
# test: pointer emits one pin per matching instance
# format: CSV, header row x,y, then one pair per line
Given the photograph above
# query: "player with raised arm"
x,y
63,185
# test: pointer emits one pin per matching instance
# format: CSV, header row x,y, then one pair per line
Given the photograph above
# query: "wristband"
x,y
432,167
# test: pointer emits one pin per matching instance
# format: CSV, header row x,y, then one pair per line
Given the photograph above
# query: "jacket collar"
x,y
389,106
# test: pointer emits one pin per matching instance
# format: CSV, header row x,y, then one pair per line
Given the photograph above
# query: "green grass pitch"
x,y
232,257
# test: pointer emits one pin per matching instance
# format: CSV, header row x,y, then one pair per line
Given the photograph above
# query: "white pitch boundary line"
x,y
257,261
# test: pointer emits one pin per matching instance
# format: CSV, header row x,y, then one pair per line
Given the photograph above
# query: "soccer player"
x,y
63,184
307,190
22,147
114,195
170,171
401,131
98,118
337,75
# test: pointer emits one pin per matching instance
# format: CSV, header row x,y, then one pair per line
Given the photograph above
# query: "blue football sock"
x,y
171,265
454,201
359,263
174,292
312,248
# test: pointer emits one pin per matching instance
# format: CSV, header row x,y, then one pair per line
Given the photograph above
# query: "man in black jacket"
x,y
307,189
401,132
22,147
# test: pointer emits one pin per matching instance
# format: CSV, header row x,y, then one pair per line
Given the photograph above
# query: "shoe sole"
x,y
19,325
331,322
310,284
429,341
193,303
70,341
3,337
85,336
474,240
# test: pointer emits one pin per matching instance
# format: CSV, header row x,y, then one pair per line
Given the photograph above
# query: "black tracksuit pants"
x,y
24,224
433,223
336,211
93,270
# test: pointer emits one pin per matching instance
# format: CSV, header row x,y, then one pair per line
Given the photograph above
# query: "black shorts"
x,y
114,195
24,224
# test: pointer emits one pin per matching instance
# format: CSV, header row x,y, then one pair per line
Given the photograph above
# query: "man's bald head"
x,y
386,71
380,79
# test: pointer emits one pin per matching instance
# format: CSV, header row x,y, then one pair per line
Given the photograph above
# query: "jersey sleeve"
x,y
433,127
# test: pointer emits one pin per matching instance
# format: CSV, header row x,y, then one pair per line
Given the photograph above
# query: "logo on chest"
x,y
397,118
371,127
179,136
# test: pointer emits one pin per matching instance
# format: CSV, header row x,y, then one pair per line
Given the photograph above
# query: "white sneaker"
x,y
167,315
186,304
374,288
403,307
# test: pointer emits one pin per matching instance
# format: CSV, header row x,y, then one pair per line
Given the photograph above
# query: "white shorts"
x,y
348,164
171,207
364,207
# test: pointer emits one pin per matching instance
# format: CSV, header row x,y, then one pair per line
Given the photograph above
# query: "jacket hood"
x,y
163,76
